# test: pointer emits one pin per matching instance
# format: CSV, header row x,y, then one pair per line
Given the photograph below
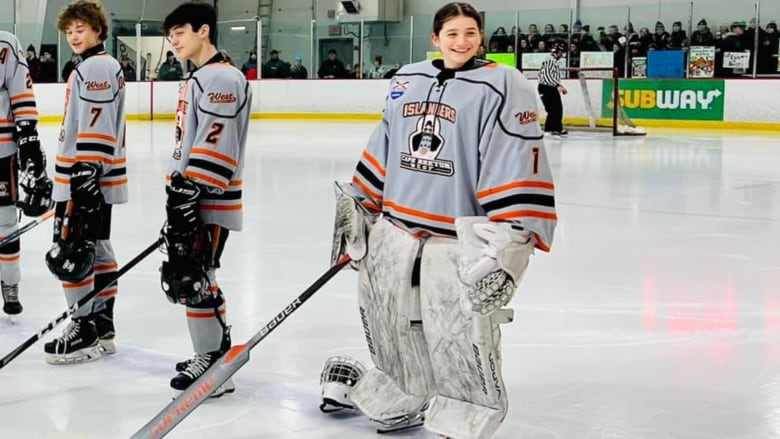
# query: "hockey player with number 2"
x,y
204,190
447,203
90,178
18,134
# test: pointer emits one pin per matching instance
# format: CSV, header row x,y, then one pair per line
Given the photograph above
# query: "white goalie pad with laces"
x,y
351,226
492,259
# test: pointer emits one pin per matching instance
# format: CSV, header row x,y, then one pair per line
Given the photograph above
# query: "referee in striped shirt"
x,y
550,90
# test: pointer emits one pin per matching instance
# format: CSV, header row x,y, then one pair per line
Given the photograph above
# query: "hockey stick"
x,y
225,367
72,309
5,240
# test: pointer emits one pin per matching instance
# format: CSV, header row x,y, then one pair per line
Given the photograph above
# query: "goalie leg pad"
x,y
9,263
390,312
464,348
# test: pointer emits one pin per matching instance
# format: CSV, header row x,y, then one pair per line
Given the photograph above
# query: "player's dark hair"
x,y
91,13
196,15
453,10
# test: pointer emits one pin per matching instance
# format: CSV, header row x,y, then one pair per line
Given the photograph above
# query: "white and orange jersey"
x,y
17,101
93,128
459,143
212,121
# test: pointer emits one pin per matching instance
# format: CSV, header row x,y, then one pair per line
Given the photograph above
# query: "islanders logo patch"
x,y
399,88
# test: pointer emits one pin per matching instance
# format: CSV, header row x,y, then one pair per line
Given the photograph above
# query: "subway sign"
x,y
667,99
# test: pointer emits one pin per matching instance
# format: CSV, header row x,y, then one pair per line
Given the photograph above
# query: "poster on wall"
x,y
597,60
666,64
530,63
639,67
736,60
701,62
667,99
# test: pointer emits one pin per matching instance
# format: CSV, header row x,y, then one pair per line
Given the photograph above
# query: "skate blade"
x,y
82,356
107,346
402,425
227,387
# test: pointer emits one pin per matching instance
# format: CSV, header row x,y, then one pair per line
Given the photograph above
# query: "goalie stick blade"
x,y
226,366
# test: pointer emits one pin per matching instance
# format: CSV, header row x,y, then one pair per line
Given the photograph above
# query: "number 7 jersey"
x,y
212,121
93,127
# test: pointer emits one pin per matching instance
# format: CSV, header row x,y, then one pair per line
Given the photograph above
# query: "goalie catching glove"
x,y
32,163
492,258
352,224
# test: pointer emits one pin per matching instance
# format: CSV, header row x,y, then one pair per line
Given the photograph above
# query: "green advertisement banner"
x,y
667,99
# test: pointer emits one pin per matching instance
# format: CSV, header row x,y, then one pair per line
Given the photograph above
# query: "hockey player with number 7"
x,y
204,188
446,205
90,178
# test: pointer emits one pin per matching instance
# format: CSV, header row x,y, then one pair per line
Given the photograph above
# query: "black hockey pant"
x,y
551,98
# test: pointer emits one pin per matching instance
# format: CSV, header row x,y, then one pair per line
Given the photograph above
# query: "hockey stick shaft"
x,y
83,301
5,240
233,360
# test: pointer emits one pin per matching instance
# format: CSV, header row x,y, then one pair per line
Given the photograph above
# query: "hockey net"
x,y
598,97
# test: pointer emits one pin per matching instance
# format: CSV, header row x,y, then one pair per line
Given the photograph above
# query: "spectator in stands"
x,y
493,47
774,44
733,42
702,36
661,38
297,70
574,59
542,47
69,66
524,47
679,39
586,41
127,69
48,68
377,70
549,36
765,58
275,67
332,67
171,70
500,39
563,31
533,36
609,39
249,69
33,63
645,41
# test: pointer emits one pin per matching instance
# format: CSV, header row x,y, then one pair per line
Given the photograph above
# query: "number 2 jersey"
x,y
212,122
456,143
93,129
17,101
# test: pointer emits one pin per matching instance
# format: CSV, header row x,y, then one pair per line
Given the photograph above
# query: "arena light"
x,y
237,28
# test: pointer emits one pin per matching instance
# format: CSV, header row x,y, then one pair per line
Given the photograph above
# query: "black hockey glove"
x,y
84,186
182,206
36,185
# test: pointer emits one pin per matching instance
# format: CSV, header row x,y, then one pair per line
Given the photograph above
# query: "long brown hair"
x,y
452,10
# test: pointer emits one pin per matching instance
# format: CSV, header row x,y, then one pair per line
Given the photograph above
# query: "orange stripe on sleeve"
x,y
13,258
26,113
113,183
22,96
540,244
204,315
208,152
221,207
371,159
205,179
84,283
372,194
515,185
